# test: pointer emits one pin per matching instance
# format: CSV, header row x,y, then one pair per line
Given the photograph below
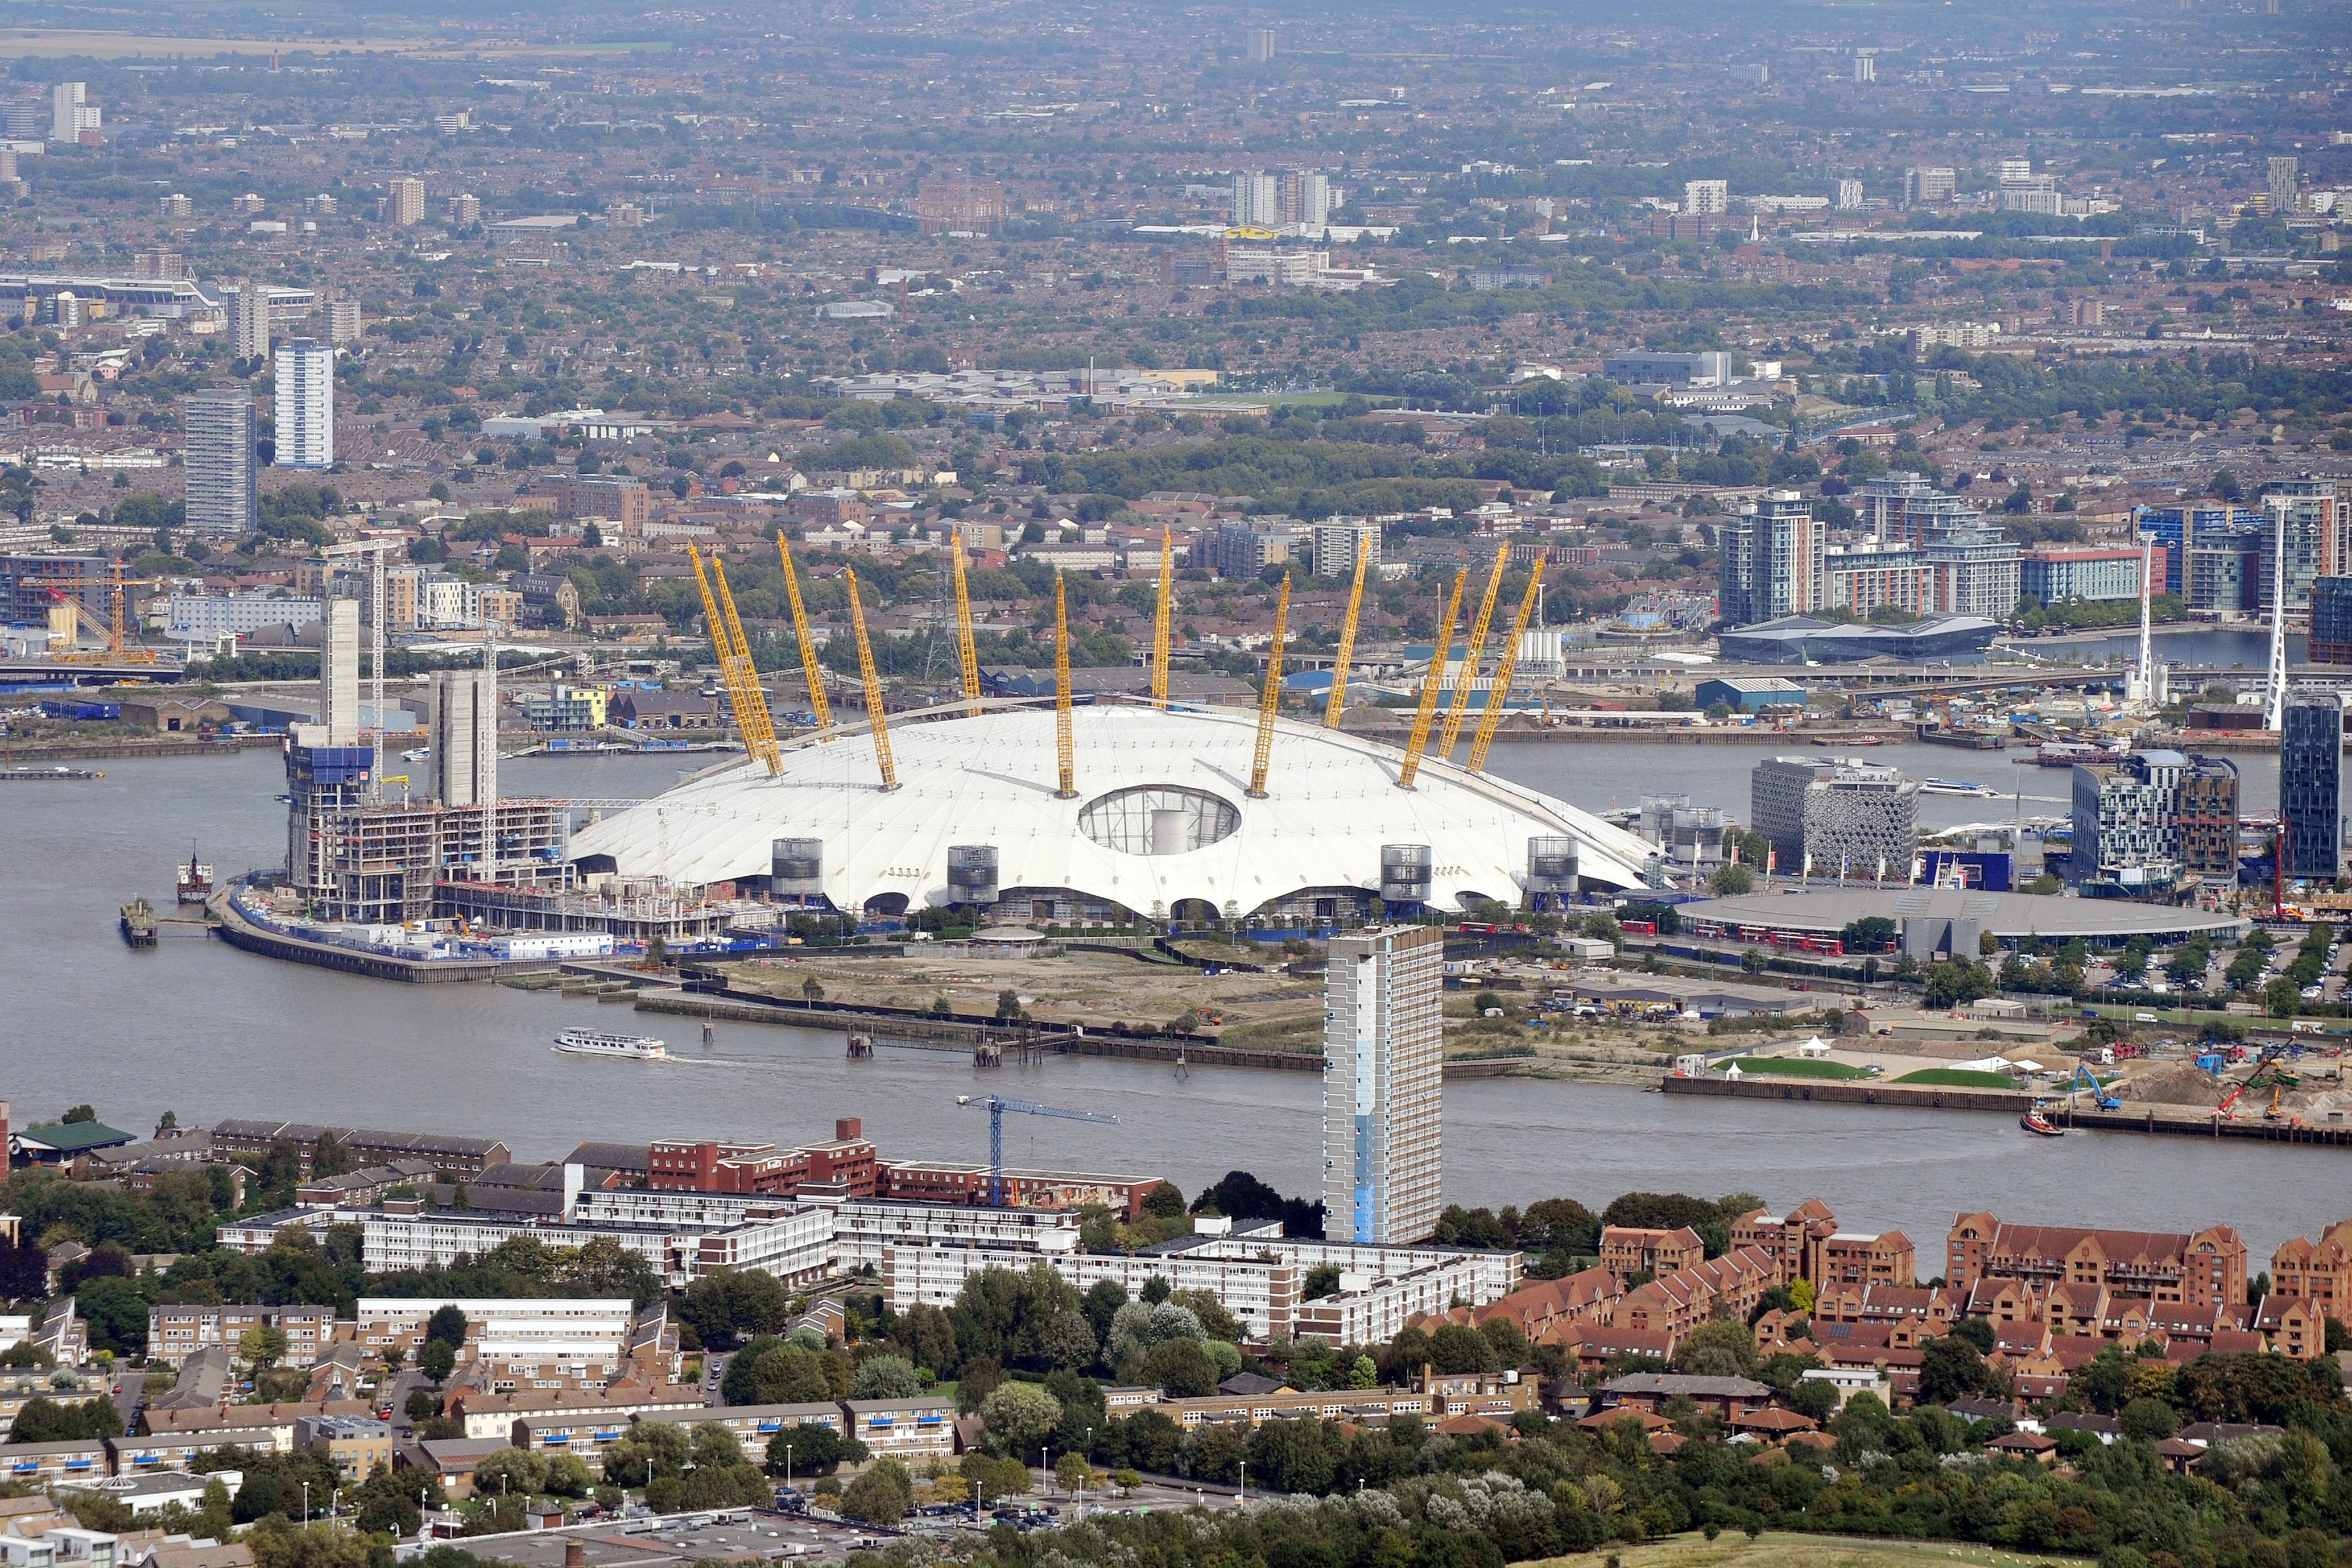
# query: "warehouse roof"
x,y
2005,915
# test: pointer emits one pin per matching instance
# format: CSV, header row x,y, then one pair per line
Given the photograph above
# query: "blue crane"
x,y
997,1106
2084,1079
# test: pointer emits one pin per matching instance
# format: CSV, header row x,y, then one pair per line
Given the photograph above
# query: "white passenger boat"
x,y
597,1042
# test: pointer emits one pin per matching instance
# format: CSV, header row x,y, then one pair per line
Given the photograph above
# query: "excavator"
x,y
2084,1079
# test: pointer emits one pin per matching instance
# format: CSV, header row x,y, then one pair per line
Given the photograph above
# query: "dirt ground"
x,y
1775,1549
1263,1011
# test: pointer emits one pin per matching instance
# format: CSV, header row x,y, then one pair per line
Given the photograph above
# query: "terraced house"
x,y
2206,1267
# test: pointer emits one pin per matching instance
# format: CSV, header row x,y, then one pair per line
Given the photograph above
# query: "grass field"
x,y
1778,1549
1958,1078
1796,1067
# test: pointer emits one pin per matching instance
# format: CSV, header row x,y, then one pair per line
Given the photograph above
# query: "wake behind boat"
x,y
597,1042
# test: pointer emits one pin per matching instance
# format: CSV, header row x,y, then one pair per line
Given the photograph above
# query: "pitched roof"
x,y
73,1138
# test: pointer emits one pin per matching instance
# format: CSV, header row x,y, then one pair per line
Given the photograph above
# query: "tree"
x,y
447,1324
880,1494
1720,1347
1871,934
2149,1420
1164,1202
809,1449
2281,998
1949,1368
887,1377
1074,1474
330,1158
262,1345
1955,983
77,1113
437,1359
1019,1416
772,1370
1731,880
812,990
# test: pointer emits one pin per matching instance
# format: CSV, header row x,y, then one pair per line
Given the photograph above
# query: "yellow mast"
x,y
1504,668
735,671
873,688
1064,751
1346,643
1160,620
1474,650
963,629
1271,697
1429,684
810,668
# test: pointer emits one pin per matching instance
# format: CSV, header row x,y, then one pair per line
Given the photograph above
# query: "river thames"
x,y
203,1029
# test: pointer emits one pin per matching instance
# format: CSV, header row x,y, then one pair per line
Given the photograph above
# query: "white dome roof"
x,y
990,778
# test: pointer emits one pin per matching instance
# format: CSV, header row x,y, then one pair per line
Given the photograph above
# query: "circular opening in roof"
x,y
1158,820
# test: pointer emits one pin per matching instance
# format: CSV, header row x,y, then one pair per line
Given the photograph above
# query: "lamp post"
x,y
1045,1471
788,1467
1242,1495
306,1505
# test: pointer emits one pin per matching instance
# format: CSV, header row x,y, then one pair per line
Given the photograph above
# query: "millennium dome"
x,y
1159,822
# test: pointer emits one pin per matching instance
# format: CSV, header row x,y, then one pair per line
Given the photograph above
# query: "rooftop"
x,y
2006,914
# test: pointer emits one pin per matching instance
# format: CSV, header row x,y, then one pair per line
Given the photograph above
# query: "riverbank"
x,y
2178,1120
73,750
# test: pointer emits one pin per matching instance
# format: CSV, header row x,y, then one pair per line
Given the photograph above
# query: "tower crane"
x,y
1504,668
881,727
112,629
965,654
735,672
810,668
1160,620
1472,652
1346,643
1270,698
1065,755
1430,681
997,1104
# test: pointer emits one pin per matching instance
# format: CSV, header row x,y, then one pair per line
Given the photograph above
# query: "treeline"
x,y
1404,1494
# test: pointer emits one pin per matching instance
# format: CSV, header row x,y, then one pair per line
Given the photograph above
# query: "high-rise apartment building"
x,y
248,322
71,112
1257,200
1773,561
2209,820
1708,198
1382,1123
466,737
221,460
1925,187
952,205
2311,782
2285,177
2127,821
403,202
1306,197
1849,195
2331,622
1834,815
305,404
344,324
1865,67
1260,41
1340,542
2304,516
465,208
175,206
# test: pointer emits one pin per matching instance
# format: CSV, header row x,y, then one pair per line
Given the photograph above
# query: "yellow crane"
x,y
1429,684
1471,652
1346,643
964,651
113,629
1160,620
1504,668
1065,751
1271,697
882,758
810,668
743,682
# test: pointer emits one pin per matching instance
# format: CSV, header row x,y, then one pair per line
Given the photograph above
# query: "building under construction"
x,y
354,857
